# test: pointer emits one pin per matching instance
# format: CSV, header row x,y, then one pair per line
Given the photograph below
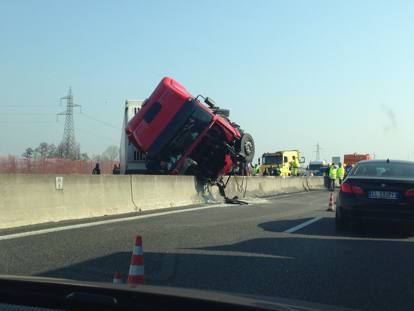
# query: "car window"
x,y
384,169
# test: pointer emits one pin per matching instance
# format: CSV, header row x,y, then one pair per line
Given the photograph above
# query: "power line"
x,y
27,122
34,106
26,113
94,134
49,114
100,121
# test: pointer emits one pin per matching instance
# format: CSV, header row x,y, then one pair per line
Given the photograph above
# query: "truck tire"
x,y
247,147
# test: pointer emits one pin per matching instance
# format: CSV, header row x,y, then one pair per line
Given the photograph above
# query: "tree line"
x,y
45,150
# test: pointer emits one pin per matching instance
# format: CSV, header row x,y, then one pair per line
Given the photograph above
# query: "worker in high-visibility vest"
x,y
255,170
333,171
340,173
295,166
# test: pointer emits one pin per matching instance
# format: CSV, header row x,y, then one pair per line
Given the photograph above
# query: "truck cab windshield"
x,y
191,126
272,160
315,167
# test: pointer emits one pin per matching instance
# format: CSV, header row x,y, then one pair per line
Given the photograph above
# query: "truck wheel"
x,y
247,147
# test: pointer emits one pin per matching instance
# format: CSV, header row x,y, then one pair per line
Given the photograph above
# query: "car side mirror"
x,y
210,102
222,112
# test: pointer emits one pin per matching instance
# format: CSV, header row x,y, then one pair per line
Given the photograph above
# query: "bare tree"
x,y
41,151
62,152
52,151
28,153
96,157
111,153
44,150
84,156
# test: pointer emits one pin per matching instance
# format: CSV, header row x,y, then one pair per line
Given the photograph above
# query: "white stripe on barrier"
x,y
137,250
303,225
136,270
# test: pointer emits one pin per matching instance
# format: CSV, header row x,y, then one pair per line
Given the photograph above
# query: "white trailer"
x,y
132,160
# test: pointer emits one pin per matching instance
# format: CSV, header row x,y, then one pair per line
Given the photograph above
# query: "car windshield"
x,y
232,146
384,169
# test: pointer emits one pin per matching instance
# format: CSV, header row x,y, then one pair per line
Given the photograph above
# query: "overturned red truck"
x,y
182,136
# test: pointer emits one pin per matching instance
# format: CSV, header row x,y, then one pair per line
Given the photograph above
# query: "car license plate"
x,y
387,195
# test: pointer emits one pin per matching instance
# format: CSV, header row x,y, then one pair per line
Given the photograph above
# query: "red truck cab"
x,y
180,135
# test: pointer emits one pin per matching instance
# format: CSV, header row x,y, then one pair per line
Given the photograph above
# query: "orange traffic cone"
x,y
136,269
117,278
331,203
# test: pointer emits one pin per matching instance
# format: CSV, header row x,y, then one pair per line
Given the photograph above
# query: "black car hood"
x,y
53,292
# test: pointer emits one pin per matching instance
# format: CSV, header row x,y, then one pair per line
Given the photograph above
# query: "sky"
x,y
292,73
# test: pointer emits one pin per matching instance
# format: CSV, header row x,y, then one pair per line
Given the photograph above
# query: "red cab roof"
x,y
169,97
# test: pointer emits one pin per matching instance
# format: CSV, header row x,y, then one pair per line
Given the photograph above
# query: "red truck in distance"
x,y
354,158
182,136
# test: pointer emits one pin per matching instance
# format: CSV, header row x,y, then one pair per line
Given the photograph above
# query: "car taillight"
x,y
409,193
357,190
348,188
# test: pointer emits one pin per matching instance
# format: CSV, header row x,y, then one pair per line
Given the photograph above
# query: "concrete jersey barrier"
x,y
33,199
259,186
151,192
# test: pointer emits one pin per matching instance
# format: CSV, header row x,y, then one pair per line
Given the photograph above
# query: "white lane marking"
x,y
303,225
102,222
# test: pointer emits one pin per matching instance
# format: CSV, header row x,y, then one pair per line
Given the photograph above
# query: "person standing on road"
x,y
277,170
340,173
255,170
332,176
348,168
325,174
96,170
295,166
